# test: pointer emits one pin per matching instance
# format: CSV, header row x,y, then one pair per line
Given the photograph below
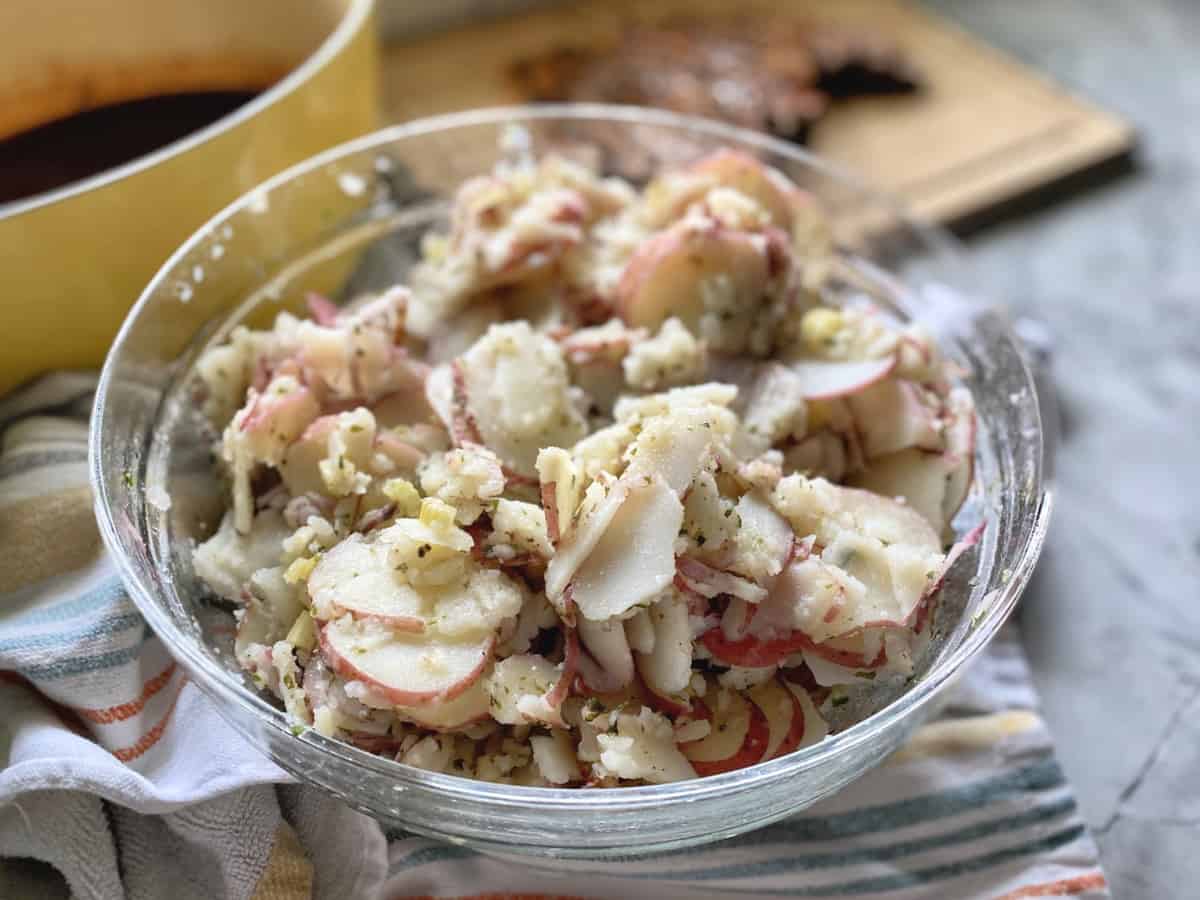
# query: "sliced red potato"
x,y
708,517
738,736
608,664
667,275
561,490
554,756
865,649
818,507
669,705
878,559
671,447
891,416
764,539
600,344
270,607
600,505
818,380
886,520
772,409
639,632
634,558
815,728
522,688
709,582
403,456
272,419
643,748
756,651
666,668
472,705
751,651
784,715
355,577
920,615
572,654
403,407
517,394
822,453
409,670
921,478
322,310
446,394
735,621
960,451
439,393
845,664
858,582
768,187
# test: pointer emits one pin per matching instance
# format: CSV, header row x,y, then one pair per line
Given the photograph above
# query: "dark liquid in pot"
x,y
85,144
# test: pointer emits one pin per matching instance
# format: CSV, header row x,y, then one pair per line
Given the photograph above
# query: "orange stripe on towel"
x,y
150,738
1064,888
125,711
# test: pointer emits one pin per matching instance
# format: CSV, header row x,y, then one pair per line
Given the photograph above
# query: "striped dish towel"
x,y
120,780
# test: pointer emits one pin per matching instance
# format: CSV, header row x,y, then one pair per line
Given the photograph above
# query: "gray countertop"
x,y
1112,620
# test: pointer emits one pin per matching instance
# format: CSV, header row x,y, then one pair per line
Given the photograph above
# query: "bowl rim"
x,y
225,688
354,15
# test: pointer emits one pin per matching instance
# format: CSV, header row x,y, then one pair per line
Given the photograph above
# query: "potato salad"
x,y
622,487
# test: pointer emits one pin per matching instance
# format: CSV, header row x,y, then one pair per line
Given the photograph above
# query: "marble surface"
x,y
1112,620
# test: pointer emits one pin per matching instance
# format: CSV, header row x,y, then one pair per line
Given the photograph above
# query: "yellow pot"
x,y
73,260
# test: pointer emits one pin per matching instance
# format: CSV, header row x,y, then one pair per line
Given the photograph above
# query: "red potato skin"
x,y
402,453
782,195
404,624
795,733
374,518
669,706
400,697
323,310
550,508
879,375
753,746
968,459
660,248
801,678
920,614
562,688
646,258
697,603
415,717
463,429
753,652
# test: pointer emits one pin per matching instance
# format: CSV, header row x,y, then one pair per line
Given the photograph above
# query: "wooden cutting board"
x,y
985,130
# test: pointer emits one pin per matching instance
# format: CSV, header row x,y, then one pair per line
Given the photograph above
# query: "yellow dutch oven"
x,y
74,259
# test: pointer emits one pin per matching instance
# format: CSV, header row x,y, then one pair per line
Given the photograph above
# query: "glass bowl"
x,y
351,219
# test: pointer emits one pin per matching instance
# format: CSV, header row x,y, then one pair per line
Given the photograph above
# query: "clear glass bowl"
x,y
350,220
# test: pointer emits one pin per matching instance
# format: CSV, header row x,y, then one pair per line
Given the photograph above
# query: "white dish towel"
x,y
120,780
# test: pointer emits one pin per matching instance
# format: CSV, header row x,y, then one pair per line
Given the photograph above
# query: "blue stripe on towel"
x,y
81,665
107,626
101,594
886,817
885,853
929,874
